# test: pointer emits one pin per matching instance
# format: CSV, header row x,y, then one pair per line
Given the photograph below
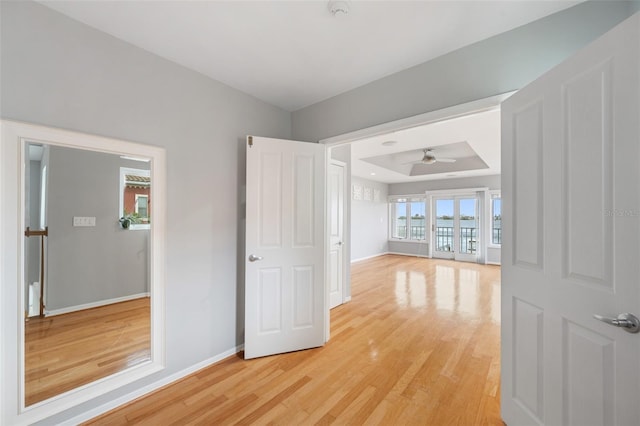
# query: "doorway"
x,y
455,229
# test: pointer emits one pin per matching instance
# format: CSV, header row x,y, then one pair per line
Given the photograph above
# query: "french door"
x,y
455,228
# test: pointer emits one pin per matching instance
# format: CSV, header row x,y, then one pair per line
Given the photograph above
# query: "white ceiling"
x,y
481,131
295,53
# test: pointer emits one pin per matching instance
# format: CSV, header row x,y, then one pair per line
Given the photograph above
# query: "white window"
x,y
408,218
496,219
135,202
142,204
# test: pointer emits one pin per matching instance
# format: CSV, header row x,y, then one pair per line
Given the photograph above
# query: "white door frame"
x,y
456,196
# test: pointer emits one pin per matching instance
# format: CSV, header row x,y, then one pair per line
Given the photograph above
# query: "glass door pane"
x,y
400,229
443,235
417,220
468,223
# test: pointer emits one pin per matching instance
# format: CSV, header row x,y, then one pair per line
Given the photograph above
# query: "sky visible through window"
x,y
467,207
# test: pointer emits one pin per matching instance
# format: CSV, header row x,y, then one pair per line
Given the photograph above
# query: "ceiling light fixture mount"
x,y
338,8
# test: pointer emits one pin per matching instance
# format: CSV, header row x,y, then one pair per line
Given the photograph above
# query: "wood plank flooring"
x,y
417,345
65,351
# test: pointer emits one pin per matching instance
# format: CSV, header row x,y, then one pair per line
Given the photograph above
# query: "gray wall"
x,y
491,182
369,222
496,65
413,248
494,255
58,72
90,264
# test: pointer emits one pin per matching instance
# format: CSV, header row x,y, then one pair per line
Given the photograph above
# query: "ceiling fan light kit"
x,y
338,8
430,158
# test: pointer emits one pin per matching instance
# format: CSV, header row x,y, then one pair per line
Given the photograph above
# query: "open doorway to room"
x,y
426,186
421,245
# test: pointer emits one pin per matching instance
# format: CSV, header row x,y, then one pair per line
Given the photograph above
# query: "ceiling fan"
x,y
430,158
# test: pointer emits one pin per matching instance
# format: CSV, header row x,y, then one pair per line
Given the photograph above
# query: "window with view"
x,y
408,219
496,219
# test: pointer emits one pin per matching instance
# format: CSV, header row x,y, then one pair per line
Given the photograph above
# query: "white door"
x,y
285,297
336,233
455,231
571,246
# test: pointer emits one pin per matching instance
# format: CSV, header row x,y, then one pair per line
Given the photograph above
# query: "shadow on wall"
x,y
242,215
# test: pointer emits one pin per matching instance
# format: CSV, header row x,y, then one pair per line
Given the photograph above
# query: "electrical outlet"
x,y
84,221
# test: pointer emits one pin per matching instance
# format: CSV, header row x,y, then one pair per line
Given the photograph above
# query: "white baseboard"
x,y
347,299
368,257
410,254
94,304
494,263
88,415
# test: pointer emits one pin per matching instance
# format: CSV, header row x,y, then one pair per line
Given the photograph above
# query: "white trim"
x,y
486,104
368,257
409,254
14,136
493,263
455,192
395,198
490,196
88,415
347,299
408,241
99,303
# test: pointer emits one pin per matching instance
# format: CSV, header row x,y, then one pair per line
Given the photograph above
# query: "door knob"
x,y
339,243
253,258
626,321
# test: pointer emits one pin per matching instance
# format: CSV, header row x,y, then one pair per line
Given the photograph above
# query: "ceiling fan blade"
x,y
446,160
411,162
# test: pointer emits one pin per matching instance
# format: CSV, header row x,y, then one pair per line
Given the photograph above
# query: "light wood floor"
x,y
418,344
65,351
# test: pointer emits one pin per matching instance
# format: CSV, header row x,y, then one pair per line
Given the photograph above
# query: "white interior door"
x,y
336,206
571,246
285,297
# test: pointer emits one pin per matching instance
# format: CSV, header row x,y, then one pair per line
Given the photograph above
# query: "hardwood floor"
x,y
418,344
65,351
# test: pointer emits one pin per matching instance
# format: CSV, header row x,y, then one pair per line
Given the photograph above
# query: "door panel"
x,y
571,220
466,229
285,308
444,239
528,335
587,178
528,196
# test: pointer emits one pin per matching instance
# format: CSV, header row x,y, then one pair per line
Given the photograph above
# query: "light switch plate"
x,y
84,221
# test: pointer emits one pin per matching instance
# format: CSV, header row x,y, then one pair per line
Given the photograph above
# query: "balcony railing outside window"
x,y
444,239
